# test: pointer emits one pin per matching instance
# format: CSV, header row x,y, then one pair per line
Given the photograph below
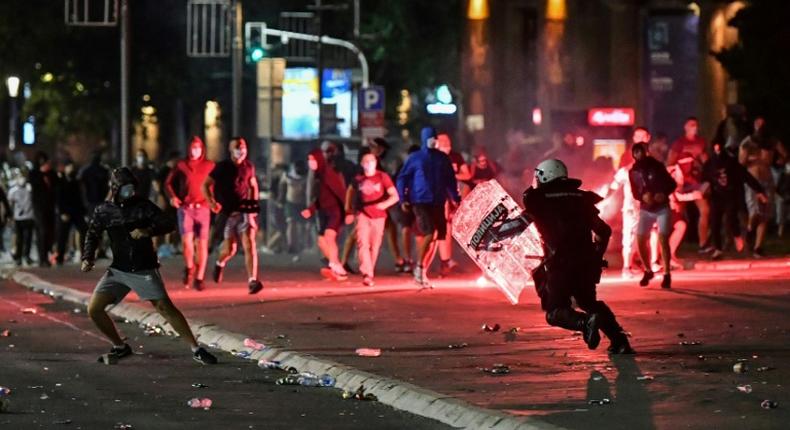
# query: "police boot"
x,y
620,344
577,321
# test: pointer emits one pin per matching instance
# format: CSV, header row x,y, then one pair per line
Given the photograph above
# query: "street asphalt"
x,y
688,339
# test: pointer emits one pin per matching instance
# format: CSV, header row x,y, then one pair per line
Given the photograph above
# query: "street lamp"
x,y
13,91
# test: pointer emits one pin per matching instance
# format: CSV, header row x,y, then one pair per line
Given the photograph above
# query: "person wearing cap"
x,y
130,221
652,185
424,184
574,242
184,185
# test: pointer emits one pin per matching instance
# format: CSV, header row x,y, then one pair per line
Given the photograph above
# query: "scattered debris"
x,y
604,401
5,403
458,345
29,311
490,328
266,364
740,367
77,311
62,422
44,396
5,333
241,354
360,394
765,368
252,344
213,345
497,369
510,335
690,342
769,404
204,403
199,385
745,388
368,352
645,378
281,336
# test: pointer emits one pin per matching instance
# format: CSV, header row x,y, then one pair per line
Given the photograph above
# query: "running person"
x,y
130,221
184,185
234,181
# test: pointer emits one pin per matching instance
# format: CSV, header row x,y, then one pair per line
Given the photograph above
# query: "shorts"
x,y
404,218
330,219
648,218
239,224
147,284
195,220
430,219
754,207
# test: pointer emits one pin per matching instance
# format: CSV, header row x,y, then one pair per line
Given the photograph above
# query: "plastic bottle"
x,y
308,379
326,380
368,352
196,403
5,391
252,344
266,364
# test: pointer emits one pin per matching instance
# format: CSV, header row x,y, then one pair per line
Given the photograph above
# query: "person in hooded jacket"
x,y
130,221
184,185
326,194
71,211
574,242
652,185
43,181
726,177
424,184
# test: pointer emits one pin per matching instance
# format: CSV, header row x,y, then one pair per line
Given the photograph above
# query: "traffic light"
x,y
255,42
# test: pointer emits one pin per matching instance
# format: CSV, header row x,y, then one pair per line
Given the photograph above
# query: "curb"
x,y
397,394
742,265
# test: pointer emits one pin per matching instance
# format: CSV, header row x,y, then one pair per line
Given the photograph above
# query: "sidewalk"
x,y
553,377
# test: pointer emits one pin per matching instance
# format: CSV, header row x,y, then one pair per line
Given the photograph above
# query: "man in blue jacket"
x,y
424,184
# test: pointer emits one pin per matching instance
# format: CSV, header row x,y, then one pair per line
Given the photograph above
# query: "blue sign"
x,y
371,99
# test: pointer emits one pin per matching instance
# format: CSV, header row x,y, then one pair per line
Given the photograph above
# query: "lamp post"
x,y
13,91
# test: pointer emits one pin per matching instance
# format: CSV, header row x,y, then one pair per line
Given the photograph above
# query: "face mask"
x,y
370,168
126,191
195,153
239,154
140,160
21,182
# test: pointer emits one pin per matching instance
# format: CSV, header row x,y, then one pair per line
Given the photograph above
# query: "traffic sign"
x,y
371,99
371,112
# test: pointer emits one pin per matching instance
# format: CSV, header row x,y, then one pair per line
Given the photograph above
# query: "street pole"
x,y
237,64
356,19
124,82
320,67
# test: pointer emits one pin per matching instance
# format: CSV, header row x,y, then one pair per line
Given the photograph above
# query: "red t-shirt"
x,y
690,156
186,180
372,190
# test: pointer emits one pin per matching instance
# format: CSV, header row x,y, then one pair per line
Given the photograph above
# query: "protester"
x,y
20,197
184,185
326,193
95,184
757,152
727,177
232,188
380,148
166,245
130,221
368,198
43,180
145,174
70,210
462,175
404,217
482,170
690,153
424,184
652,185
5,215
574,241
293,190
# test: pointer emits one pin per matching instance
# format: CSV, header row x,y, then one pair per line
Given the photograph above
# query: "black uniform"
x,y
566,217
70,207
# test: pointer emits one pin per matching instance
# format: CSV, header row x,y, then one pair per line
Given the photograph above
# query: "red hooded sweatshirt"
x,y
326,186
185,181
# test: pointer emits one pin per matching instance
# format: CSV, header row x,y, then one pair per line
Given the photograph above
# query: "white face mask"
x,y
140,160
195,153
239,154
21,181
126,191
369,168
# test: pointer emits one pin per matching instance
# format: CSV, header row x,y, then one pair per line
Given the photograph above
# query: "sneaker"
x,y
117,353
187,275
218,273
717,255
197,284
592,337
706,249
646,279
421,278
620,346
408,266
676,264
666,283
758,253
444,268
255,286
333,275
349,270
204,357
400,266
368,281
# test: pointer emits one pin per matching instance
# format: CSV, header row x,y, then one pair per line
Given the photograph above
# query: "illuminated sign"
x,y
603,117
